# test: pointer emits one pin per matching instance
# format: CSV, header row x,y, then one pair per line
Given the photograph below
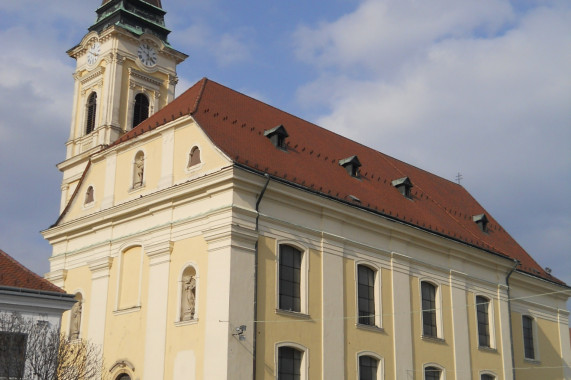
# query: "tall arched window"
x,y
290,364
483,320
91,111
141,111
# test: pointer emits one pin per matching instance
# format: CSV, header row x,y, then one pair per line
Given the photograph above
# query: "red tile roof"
x,y
15,275
236,124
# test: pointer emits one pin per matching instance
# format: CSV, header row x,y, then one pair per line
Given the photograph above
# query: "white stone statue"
x,y
75,321
188,297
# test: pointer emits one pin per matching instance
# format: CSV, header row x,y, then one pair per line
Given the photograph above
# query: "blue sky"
x,y
480,87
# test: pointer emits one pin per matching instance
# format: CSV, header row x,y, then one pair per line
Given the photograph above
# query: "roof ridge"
x,y
200,93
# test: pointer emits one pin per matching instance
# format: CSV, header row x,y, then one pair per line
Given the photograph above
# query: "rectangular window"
x,y
366,295
12,354
482,312
528,344
290,278
368,367
289,363
429,310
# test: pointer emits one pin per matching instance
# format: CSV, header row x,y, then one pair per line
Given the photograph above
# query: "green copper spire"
x,y
136,16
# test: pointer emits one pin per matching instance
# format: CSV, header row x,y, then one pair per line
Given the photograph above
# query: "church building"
x,y
212,236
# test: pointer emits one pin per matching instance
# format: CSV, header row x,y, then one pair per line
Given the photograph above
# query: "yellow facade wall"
x,y
430,350
359,339
186,336
280,327
489,359
125,169
124,329
185,139
548,357
78,280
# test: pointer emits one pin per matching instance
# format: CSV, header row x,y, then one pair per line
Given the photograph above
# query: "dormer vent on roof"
x,y
482,221
403,185
277,136
352,165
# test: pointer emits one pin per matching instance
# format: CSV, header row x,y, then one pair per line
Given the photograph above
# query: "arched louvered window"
x,y
91,112
141,111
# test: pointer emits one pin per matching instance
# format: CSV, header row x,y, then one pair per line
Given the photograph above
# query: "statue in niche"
x,y
188,297
75,321
139,170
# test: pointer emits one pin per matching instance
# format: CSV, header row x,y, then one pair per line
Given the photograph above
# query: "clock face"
x,y
147,55
93,53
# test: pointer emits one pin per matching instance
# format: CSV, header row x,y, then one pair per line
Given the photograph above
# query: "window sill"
x,y
127,311
87,206
487,349
296,314
186,323
373,328
136,188
433,339
532,361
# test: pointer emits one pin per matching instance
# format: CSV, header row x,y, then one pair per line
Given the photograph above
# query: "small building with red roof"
x,y
24,292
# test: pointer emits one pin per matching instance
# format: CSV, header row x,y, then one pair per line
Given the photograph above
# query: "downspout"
x,y
516,263
255,329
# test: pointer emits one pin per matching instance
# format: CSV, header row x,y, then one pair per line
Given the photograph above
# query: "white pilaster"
x,y
110,173
402,320
167,161
333,323
155,343
563,318
57,277
230,300
100,269
460,339
505,336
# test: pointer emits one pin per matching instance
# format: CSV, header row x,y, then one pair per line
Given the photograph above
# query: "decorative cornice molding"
x,y
159,253
100,267
139,75
92,75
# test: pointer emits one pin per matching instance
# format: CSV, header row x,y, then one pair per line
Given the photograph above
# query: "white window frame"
x,y
438,302
380,368
442,370
491,319
304,360
304,286
378,290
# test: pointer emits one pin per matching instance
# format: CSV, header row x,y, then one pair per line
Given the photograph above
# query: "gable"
x,y
110,178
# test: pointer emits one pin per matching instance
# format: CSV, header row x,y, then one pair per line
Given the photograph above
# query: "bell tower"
x,y
125,72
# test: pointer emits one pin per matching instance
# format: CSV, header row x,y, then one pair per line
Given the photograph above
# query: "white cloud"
x,y
226,48
480,88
